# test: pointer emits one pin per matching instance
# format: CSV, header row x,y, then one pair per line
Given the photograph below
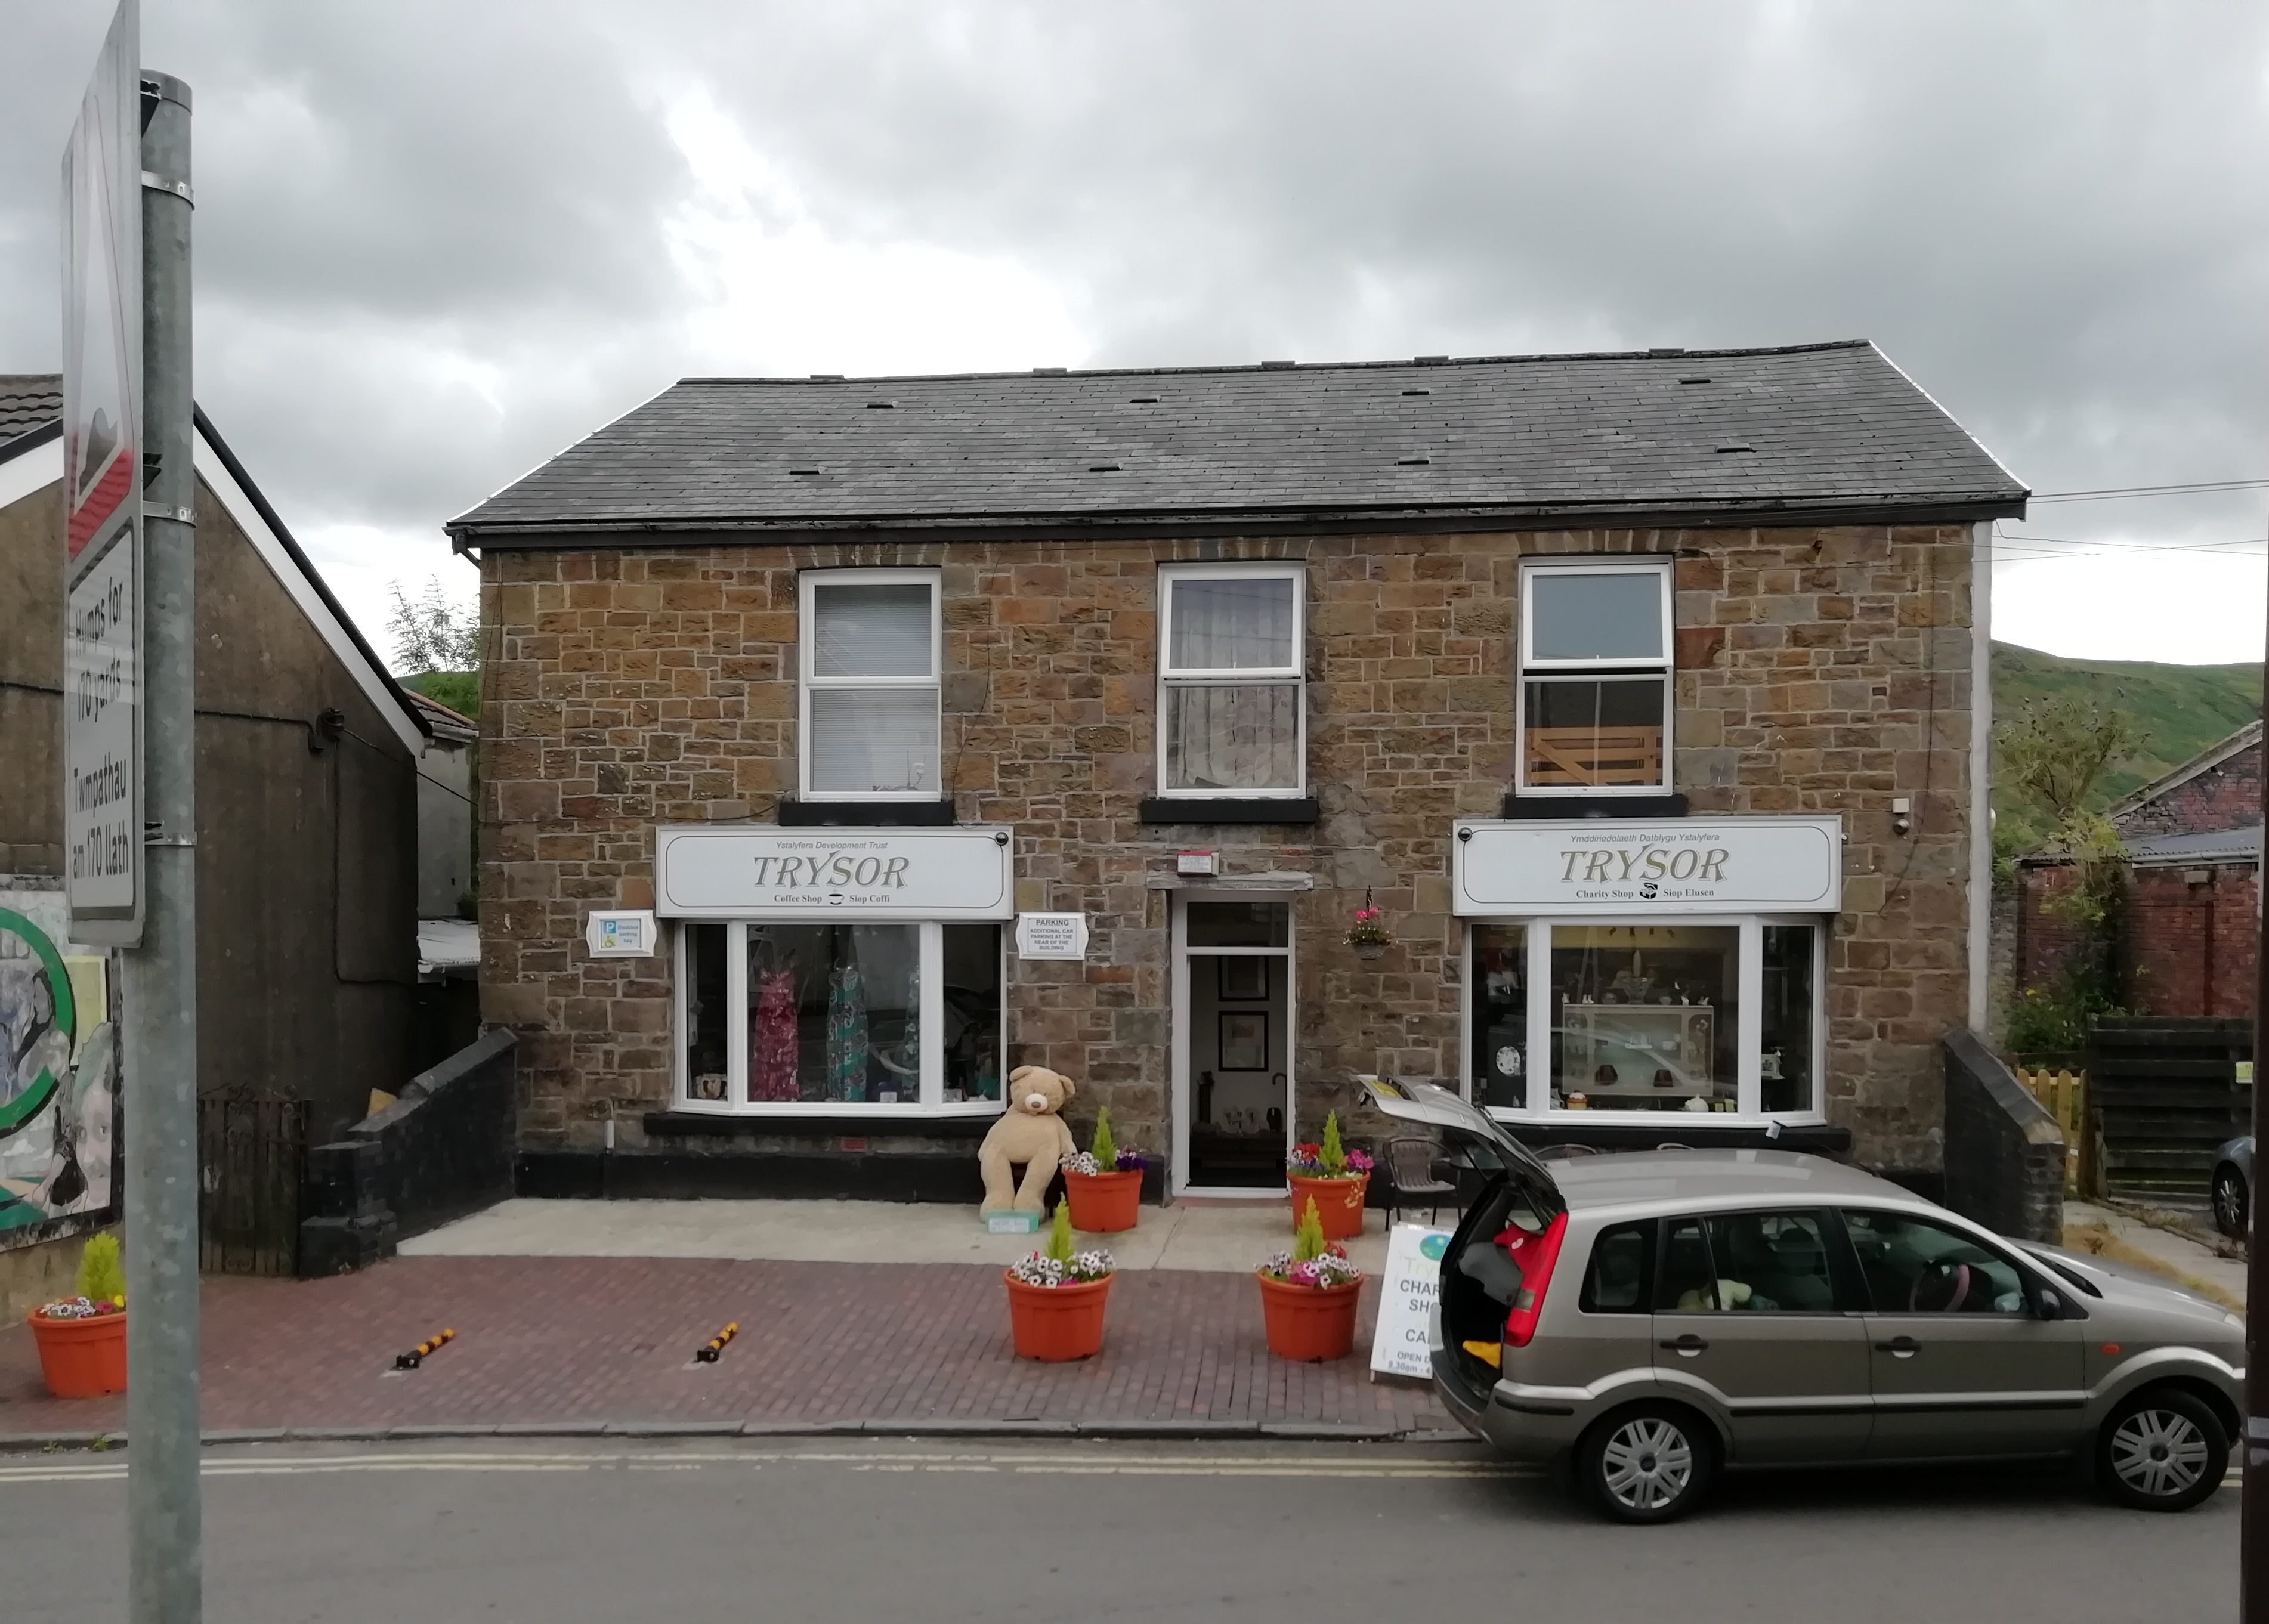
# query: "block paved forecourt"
x,y
607,1340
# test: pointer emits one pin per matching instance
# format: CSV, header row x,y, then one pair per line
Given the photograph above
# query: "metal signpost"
x,y
129,544
2253,1449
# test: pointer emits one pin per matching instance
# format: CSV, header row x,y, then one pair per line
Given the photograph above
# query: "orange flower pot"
x,y
1104,1202
81,1358
1309,1323
1339,1203
1057,1322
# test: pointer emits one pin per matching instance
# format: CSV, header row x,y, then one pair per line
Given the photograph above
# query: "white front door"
x,y
1232,1043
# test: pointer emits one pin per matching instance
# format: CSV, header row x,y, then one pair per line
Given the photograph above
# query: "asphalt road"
x,y
870,1530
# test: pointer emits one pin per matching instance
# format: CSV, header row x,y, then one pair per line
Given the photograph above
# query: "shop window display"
x,y
1644,1017
1785,1067
842,1016
1500,1015
707,1062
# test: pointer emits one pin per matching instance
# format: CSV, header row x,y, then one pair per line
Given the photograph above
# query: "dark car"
x,y
2233,1185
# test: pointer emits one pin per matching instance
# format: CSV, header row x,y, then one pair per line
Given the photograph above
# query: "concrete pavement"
x,y
1248,1533
1224,1238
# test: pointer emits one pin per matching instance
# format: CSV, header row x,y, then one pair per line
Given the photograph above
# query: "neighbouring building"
x,y
308,759
2190,924
1643,695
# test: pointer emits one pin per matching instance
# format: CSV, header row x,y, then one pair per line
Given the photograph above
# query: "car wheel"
x,y
2161,1452
1647,1465
2229,1202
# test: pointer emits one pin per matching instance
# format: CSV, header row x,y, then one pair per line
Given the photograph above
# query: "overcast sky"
x,y
438,242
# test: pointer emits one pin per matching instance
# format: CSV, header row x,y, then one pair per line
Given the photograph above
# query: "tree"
x,y
431,633
2054,752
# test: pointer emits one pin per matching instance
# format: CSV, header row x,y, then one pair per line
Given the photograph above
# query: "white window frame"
x,y
930,1102
1294,675
1748,1019
807,646
1593,670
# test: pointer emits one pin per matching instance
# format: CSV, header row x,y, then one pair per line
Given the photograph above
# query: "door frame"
x,y
1178,1030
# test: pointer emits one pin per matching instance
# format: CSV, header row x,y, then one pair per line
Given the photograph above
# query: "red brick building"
x,y
2191,928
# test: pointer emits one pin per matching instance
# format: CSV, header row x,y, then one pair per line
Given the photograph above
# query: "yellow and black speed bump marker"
x,y
415,1356
706,1353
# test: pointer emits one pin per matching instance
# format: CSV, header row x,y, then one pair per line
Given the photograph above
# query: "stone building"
x,y
309,760
2190,927
1642,695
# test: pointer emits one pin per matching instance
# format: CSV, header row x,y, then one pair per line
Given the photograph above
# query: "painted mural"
x,y
58,1075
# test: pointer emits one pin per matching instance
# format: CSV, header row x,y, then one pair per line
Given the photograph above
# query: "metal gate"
x,y
252,1162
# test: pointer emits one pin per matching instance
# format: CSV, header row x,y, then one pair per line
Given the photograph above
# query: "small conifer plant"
x,y
1103,1147
1313,1260
1058,1263
102,1279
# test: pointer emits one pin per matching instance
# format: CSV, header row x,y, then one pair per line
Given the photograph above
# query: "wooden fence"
x,y
2064,1096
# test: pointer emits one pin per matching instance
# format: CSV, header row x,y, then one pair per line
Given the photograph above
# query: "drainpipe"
x,y
1981,776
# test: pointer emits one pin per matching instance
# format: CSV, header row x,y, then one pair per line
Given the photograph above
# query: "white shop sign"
x,y
1402,1343
740,873
1051,935
1614,866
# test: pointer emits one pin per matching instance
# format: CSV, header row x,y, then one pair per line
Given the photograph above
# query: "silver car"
x,y
1660,1317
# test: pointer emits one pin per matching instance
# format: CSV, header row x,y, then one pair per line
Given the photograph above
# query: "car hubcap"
x,y
1648,1464
2158,1453
2225,1203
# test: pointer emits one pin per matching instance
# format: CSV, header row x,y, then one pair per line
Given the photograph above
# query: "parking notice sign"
x,y
1406,1301
102,498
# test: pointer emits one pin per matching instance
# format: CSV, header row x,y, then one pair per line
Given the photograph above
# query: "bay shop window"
x,y
1624,968
832,972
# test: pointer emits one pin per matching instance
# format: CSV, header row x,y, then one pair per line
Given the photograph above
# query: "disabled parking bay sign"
x,y
1405,1301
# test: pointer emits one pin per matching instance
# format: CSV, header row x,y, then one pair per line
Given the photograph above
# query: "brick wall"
x,y
1820,671
2227,795
2191,944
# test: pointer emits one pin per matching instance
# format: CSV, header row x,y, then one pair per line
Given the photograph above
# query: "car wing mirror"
x,y
2047,1304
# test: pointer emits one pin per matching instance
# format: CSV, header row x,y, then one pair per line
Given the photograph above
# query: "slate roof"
x,y
29,401
1824,431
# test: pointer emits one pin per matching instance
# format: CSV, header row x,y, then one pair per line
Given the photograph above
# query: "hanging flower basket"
x,y
83,1352
1368,935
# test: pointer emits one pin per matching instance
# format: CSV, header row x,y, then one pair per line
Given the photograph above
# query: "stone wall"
x,y
1820,671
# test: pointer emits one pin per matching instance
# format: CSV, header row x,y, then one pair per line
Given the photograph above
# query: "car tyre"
x,y
2162,1450
1651,1463
2229,1202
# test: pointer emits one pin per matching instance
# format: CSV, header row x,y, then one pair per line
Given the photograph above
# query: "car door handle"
x,y
1900,1347
1686,1346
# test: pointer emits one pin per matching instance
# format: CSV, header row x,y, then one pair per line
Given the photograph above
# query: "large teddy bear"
x,y
1029,1132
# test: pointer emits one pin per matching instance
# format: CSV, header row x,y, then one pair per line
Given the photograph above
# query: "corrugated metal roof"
x,y
2215,845
1835,428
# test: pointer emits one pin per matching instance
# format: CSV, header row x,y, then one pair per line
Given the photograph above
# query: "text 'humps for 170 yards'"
x,y
99,680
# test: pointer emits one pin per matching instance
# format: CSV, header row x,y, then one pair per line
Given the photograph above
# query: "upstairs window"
x,y
1595,645
870,653
1231,709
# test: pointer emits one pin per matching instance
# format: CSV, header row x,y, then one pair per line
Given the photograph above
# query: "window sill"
x,y
795,814
1647,805
1230,810
954,1122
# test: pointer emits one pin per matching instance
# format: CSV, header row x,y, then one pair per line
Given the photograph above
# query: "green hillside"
x,y
2182,709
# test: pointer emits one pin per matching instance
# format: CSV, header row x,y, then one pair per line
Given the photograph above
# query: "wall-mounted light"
x,y
1901,815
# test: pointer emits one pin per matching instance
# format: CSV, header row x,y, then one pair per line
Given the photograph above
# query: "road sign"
x,y
102,497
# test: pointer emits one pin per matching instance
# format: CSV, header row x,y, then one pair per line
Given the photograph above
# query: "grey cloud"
x,y
432,250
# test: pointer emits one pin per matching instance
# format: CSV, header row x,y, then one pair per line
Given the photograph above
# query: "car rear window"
x,y
1622,1270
